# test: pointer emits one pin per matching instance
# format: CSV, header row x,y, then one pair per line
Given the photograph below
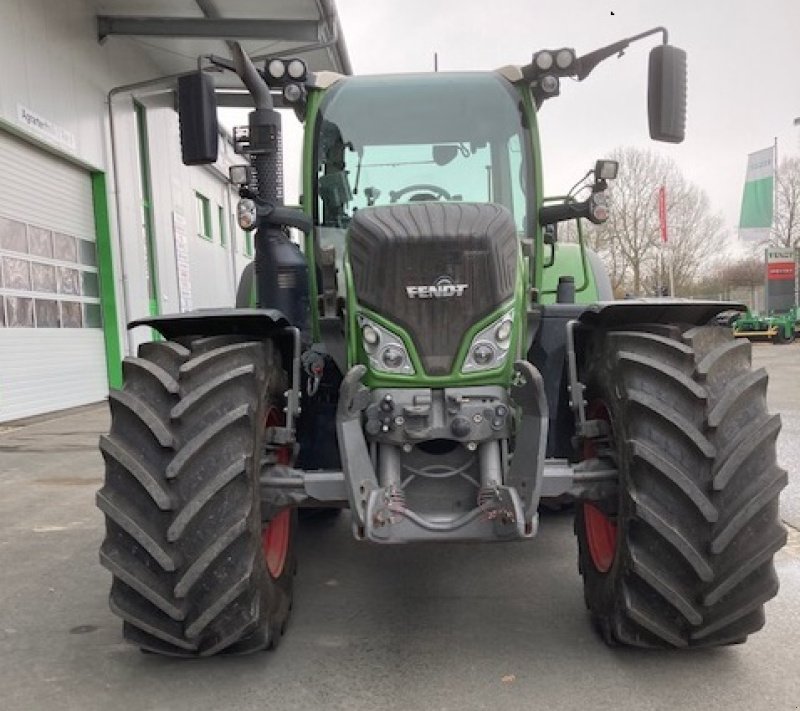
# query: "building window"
x,y
47,279
223,233
203,217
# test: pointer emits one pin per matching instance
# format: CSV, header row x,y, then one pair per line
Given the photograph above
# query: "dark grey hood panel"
x,y
434,269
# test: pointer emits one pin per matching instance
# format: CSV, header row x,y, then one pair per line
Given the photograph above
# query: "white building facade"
x,y
100,222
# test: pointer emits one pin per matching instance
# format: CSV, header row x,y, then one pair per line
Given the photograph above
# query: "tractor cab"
x,y
457,137
382,141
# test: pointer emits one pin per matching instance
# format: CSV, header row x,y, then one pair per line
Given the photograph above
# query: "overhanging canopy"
x,y
174,34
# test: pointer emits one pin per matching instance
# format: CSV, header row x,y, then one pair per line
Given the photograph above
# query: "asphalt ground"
x,y
783,394
417,627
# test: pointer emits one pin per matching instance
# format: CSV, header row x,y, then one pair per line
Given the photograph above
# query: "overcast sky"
x,y
744,73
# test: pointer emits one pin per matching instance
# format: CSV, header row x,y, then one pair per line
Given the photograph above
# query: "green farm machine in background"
x,y
431,358
779,328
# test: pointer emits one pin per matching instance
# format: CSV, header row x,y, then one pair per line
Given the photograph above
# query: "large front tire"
x,y
181,499
682,556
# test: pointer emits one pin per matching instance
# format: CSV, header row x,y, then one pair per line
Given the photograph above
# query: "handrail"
x,y
585,285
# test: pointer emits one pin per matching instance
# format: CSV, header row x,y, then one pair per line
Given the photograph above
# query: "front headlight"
x,y
385,350
489,348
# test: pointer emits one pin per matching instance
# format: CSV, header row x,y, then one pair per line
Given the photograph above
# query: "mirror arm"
x,y
654,31
594,209
589,61
550,214
285,217
277,215
220,62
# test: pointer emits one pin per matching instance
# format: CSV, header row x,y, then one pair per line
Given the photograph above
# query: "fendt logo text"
x,y
443,288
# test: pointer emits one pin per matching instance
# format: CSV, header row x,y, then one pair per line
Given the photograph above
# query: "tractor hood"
x,y
434,269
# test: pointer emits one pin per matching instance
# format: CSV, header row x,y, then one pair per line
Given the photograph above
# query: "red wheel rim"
x,y
601,531
275,542
276,534
601,537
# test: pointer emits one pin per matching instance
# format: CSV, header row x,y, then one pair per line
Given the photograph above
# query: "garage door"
x,y
52,353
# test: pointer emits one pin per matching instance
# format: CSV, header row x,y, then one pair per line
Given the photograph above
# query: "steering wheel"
x,y
434,190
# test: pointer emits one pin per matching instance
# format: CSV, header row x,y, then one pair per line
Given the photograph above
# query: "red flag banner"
x,y
662,212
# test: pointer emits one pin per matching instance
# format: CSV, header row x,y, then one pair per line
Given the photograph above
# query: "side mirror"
x,y
197,116
666,94
444,154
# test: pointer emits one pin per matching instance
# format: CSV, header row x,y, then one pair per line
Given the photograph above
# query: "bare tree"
x,y
727,277
786,228
629,242
695,233
746,272
613,259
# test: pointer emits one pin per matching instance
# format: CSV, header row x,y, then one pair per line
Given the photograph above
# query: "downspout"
x,y
230,221
330,18
233,241
112,94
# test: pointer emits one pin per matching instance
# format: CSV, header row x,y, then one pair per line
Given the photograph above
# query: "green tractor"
x,y
430,357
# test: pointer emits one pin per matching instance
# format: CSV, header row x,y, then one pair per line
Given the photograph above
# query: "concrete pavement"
x,y
783,365
433,627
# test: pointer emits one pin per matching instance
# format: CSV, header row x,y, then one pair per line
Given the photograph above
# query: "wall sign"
x,y
45,128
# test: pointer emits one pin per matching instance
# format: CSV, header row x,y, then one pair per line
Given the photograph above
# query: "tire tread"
x,y
698,514
183,525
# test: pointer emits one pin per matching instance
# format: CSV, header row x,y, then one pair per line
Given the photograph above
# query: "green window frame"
x,y
248,244
148,219
223,232
204,228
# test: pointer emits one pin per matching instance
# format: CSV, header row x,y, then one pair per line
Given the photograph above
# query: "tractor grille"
x,y
434,269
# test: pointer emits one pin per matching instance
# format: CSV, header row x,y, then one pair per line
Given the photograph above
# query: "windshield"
x,y
411,138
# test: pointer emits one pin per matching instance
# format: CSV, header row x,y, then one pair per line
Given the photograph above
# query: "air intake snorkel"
x,y
280,267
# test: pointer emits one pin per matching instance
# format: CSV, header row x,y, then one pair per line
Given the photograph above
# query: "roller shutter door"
x,y
52,353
